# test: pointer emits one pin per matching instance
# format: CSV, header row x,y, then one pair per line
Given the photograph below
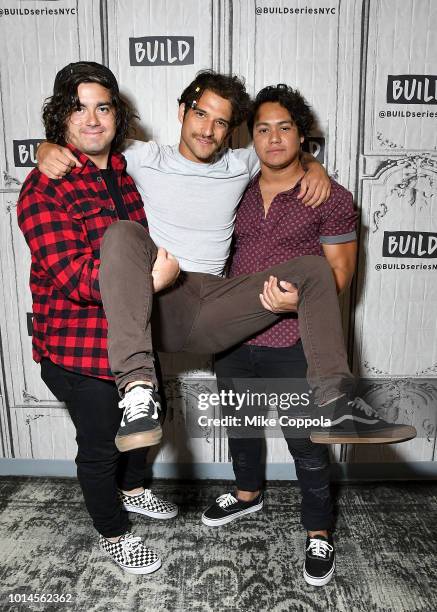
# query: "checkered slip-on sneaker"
x,y
149,504
131,554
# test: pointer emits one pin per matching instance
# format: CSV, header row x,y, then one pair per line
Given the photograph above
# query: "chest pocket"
x,y
94,220
84,209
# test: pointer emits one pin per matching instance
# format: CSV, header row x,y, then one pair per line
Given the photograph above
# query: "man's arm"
x,y
54,160
315,187
342,258
57,244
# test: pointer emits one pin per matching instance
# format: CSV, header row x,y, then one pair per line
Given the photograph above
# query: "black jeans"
x,y
311,460
101,469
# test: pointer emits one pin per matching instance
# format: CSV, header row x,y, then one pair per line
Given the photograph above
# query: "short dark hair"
x,y
229,87
290,99
65,100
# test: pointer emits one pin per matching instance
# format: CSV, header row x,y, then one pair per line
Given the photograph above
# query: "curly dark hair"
x,y
290,99
229,87
65,100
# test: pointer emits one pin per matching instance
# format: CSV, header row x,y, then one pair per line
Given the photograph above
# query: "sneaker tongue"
x,y
318,536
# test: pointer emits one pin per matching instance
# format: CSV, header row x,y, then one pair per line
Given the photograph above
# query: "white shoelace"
x,y
148,495
129,545
138,403
319,548
226,500
360,404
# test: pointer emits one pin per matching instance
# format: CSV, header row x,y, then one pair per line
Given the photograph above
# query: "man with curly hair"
x,y
63,222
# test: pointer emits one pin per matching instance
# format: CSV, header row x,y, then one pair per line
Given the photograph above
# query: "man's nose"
x,y
208,127
275,135
92,117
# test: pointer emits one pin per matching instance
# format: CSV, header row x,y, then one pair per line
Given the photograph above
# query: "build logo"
x,y
412,89
25,152
161,51
419,245
316,146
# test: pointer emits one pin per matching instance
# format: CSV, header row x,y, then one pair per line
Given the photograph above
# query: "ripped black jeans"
x,y
311,460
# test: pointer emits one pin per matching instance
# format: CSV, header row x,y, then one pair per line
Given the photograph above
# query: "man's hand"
x,y
165,270
315,187
277,301
55,161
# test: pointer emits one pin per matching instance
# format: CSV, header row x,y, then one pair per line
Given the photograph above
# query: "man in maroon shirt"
x,y
272,227
63,222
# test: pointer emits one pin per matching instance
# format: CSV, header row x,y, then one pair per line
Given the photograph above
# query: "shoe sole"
x,y
138,440
400,434
318,581
149,569
217,522
150,513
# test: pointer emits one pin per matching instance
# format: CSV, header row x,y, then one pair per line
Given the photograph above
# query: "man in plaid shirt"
x,y
63,222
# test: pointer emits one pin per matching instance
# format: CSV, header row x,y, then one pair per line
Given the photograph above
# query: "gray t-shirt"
x,y
190,206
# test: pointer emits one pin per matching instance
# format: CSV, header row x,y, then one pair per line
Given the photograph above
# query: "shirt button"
x,y
99,179
111,207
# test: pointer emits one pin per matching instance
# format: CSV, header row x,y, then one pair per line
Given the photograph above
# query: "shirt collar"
x,y
254,184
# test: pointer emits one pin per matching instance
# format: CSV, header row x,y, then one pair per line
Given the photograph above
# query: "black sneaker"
x,y
131,554
355,422
319,565
140,425
227,508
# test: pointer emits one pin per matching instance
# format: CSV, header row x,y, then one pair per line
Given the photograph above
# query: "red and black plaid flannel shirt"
x,y
63,222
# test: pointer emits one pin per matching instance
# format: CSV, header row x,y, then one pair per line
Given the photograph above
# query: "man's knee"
x,y
314,270
315,266
307,455
102,452
122,231
128,237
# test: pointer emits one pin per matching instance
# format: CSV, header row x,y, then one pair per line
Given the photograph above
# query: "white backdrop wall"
x,y
346,57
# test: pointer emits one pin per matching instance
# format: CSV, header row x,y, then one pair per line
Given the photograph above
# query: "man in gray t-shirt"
x,y
191,193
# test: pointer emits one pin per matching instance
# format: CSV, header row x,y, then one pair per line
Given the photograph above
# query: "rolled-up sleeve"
x,y
339,219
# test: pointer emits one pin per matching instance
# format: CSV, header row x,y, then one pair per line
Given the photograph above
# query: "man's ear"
x,y
302,138
181,112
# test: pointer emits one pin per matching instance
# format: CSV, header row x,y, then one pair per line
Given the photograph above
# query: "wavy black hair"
x,y
290,99
229,87
65,100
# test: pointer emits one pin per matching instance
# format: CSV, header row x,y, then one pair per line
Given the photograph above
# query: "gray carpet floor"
x,y
385,538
